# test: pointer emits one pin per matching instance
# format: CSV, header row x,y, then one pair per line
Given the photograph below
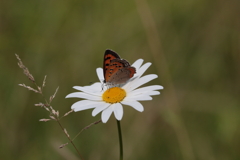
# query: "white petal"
x,y
100,108
139,82
137,64
145,90
106,114
118,111
153,93
138,75
141,97
143,69
95,86
85,104
83,95
135,104
100,74
94,89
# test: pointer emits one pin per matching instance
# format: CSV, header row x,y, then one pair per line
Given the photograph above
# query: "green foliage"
x,y
195,52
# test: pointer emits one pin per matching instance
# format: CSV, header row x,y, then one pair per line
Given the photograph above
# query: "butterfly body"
x,y
116,70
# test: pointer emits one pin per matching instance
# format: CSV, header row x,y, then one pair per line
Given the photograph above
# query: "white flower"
x,y
110,100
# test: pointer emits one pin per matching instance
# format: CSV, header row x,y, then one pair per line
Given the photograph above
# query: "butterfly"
x,y
116,70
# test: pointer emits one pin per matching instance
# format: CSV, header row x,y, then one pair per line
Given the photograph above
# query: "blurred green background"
x,y
194,47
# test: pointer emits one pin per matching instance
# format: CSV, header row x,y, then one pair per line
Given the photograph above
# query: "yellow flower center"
x,y
114,95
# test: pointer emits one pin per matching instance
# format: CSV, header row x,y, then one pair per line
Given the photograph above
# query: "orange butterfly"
x,y
116,70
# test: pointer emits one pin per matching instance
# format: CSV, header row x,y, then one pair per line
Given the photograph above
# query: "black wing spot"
x,y
107,58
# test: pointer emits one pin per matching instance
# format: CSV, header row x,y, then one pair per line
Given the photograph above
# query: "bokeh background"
x,y
194,47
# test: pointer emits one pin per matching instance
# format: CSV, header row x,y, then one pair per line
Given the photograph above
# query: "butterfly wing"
x,y
115,69
108,57
119,71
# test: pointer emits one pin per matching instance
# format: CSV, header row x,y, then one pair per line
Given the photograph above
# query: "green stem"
x,y
120,140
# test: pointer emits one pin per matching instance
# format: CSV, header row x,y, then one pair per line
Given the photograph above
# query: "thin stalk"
x,y
120,140
87,128
70,140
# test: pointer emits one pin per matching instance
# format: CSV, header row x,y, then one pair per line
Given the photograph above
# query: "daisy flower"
x,y
111,100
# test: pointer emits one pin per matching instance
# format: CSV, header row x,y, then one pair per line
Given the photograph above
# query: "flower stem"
x,y
120,140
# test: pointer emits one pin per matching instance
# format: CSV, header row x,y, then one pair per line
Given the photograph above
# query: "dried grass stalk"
x,y
63,145
65,131
44,81
29,88
25,69
68,113
44,120
39,104
52,117
53,96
